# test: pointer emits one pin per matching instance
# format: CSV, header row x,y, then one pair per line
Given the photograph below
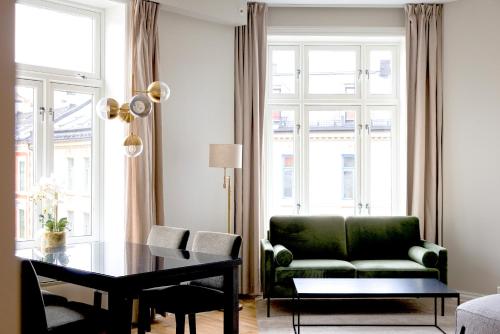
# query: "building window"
x,y
332,126
22,175
22,223
348,176
56,92
287,176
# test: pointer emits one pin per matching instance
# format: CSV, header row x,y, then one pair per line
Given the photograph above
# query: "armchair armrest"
x,y
266,265
442,254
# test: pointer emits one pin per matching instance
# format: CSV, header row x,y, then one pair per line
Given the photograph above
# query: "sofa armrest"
x,y
266,265
442,254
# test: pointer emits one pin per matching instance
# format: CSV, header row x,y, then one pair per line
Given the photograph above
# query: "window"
x,y
332,126
56,131
57,38
348,176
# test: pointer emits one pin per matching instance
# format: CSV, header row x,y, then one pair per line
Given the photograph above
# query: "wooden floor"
x,y
210,322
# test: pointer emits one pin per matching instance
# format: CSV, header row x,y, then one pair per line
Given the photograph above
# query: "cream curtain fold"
x,y
250,83
144,184
425,117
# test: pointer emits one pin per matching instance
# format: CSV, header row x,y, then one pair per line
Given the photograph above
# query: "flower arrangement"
x,y
46,196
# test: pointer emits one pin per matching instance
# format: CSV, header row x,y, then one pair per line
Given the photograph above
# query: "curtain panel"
x,y
425,117
249,84
144,184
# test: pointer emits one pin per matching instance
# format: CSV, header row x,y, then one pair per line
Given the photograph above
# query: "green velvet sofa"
x,y
338,247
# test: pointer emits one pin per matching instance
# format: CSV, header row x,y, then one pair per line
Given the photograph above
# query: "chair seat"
x,y
393,269
185,299
315,269
480,315
75,318
50,298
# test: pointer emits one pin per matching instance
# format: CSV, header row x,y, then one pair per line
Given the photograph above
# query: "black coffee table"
x,y
346,288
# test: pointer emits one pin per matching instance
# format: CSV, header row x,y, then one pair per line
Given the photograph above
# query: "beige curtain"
x,y
144,186
250,82
425,117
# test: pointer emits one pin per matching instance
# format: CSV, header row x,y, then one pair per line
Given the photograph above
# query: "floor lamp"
x,y
226,156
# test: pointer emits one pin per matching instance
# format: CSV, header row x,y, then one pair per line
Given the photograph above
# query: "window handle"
x,y
51,113
367,72
298,208
41,112
298,71
367,127
360,207
368,209
360,73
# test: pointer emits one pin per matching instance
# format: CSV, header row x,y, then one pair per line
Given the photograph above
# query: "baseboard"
x,y
467,295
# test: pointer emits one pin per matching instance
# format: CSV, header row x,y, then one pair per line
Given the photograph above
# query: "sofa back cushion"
x,y
381,237
310,237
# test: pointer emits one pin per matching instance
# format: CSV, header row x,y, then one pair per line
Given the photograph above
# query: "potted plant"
x,y
46,197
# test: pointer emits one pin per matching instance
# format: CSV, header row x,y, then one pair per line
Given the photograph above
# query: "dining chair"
x,y
168,237
197,296
54,315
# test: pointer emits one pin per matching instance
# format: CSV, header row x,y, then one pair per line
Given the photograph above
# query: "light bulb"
x,y
107,108
140,105
158,91
132,145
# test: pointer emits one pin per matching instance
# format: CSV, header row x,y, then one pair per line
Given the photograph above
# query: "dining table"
x,y
123,270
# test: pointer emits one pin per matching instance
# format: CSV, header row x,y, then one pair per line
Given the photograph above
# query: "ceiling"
x,y
348,3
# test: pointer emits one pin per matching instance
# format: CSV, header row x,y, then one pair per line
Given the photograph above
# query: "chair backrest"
x,y
310,237
33,319
217,243
381,237
169,237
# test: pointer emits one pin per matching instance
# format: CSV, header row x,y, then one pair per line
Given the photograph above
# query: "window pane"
x,y
283,156
25,109
381,161
72,156
46,37
332,154
283,72
381,78
332,72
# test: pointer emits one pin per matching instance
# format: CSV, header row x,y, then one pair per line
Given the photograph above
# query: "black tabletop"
x,y
371,287
122,259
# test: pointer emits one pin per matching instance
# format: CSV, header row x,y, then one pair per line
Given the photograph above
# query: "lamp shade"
x,y
225,155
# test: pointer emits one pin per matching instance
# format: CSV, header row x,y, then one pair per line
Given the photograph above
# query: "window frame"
x,y
392,41
79,10
48,79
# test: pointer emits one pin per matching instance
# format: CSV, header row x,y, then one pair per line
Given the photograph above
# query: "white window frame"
x,y
363,100
78,10
46,80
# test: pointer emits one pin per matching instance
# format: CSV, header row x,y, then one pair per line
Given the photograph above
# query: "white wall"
x,y
197,63
9,277
471,144
336,17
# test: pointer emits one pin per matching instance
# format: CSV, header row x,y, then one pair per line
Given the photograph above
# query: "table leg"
x,y
231,313
435,312
442,306
120,311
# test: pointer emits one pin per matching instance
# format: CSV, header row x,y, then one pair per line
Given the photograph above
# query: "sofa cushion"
x,y
317,268
381,237
393,269
282,256
423,256
310,237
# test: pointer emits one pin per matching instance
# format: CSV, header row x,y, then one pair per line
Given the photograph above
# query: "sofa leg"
x,y
268,307
442,306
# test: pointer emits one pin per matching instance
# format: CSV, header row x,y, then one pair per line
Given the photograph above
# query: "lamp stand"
x,y
227,185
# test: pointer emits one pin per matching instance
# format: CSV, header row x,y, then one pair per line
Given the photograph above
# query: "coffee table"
x,y
347,288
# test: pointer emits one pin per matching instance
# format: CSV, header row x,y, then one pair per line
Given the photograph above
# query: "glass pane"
x,y
381,68
381,161
332,156
283,72
26,107
332,72
51,38
283,157
72,157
